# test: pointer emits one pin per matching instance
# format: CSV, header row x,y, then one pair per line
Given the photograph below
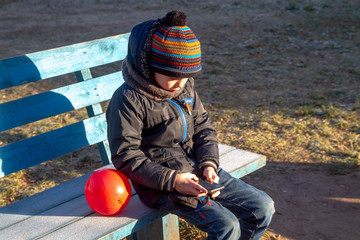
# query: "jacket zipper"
x,y
181,111
186,105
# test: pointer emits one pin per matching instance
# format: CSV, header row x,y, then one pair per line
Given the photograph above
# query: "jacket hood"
x,y
139,47
136,67
146,87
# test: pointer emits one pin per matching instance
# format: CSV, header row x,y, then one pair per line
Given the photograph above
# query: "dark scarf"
x,y
145,87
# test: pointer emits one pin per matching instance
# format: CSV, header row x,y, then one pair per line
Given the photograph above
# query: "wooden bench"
x,y
62,211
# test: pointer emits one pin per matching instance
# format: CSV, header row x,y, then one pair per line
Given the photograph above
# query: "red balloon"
x,y
107,191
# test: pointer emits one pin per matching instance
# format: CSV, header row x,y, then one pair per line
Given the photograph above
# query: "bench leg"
x,y
166,228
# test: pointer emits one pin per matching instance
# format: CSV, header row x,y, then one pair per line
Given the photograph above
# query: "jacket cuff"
x,y
209,163
170,186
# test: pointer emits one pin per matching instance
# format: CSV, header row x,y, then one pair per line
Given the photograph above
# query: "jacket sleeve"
x,y
124,118
205,137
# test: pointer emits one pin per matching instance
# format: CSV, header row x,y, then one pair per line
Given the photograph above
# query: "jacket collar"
x,y
142,85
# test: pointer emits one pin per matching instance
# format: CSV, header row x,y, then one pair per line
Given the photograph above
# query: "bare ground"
x,y
256,54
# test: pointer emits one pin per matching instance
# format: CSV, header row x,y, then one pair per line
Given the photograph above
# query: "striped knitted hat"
x,y
175,50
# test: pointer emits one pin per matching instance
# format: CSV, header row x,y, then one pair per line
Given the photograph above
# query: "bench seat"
x,y
63,213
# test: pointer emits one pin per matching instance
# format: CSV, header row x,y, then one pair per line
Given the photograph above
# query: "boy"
x,y
161,138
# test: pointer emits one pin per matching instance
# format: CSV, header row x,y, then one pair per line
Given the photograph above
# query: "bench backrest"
x,y
88,92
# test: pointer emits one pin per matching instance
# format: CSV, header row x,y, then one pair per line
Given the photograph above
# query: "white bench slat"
x,y
225,148
240,163
49,220
135,216
41,202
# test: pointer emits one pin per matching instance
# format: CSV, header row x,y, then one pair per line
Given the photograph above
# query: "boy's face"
x,y
171,84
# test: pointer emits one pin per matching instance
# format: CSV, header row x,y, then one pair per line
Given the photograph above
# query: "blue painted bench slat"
x,y
81,134
59,61
71,97
61,212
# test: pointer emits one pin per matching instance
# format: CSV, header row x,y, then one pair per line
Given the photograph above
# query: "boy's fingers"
x,y
200,189
215,194
202,195
196,192
216,180
195,178
209,179
213,179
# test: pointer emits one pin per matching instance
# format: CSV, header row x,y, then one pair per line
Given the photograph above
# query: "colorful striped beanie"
x,y
175,50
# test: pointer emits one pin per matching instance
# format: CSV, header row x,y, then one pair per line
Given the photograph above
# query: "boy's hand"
x,y
210,175
187,184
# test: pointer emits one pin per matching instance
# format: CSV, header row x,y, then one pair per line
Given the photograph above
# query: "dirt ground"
x,y
310,203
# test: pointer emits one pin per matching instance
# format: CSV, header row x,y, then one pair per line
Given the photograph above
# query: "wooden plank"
x,y
240,163
70,212
58,61
54,198
41,202
52,144
170,226
85,75
134,217
54,218
105,153
57,101
166,228
93,110
223,149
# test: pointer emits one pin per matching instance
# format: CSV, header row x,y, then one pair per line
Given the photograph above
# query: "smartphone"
x,y
210,187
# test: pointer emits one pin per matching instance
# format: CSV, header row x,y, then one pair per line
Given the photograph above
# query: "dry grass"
x,y
326,136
